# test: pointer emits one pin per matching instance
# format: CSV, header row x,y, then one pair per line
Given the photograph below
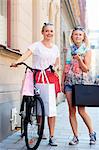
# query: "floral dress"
x,y
73,72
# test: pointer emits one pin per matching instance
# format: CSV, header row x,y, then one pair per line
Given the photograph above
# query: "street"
x,y
63,133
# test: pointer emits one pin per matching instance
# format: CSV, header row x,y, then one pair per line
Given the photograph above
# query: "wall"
x,y
10,82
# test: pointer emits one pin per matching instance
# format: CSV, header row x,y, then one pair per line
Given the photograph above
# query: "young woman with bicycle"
x,y
44,54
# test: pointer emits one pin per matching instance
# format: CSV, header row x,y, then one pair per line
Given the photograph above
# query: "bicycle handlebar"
x,y
22,63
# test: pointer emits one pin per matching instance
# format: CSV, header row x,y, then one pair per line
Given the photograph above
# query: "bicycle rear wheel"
x,y
34,125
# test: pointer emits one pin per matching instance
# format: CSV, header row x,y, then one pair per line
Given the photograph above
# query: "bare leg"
x,y
39,120
86,118
72,113
51,124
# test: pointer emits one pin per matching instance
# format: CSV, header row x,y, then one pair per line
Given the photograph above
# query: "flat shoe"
x,y
44,137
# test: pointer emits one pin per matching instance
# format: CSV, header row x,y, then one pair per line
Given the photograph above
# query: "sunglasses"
x,y
78,28
49,23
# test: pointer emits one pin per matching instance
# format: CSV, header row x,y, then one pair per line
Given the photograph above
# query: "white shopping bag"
x,y
47,93
27,85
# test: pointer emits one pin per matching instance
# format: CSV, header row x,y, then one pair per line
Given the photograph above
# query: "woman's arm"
x,y
22,58
84,64
63,74
57,64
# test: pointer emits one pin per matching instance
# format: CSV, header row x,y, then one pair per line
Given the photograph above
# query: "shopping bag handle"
x,y
43,73
46,77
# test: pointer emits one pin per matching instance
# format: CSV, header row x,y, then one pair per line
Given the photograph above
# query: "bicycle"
x,y
32,125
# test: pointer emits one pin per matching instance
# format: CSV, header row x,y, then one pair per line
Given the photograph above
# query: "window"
x,y
3,22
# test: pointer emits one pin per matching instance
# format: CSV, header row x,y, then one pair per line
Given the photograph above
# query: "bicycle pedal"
x,y
22,135
22,114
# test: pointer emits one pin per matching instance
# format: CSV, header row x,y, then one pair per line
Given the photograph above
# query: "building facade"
x,y
20,25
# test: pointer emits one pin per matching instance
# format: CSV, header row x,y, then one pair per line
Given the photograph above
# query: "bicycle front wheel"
x,y
34,125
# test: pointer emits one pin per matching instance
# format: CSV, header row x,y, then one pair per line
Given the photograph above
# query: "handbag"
x,y
85,95
27,84
47,93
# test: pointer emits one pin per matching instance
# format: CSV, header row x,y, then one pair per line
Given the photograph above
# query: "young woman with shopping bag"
x,y
44,54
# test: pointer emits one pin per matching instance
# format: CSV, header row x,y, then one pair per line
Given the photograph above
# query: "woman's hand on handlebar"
x,y
13,65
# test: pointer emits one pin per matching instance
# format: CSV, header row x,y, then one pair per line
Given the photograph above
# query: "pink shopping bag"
x,y
27,84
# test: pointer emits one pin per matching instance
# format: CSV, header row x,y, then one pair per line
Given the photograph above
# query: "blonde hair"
x,y
86,41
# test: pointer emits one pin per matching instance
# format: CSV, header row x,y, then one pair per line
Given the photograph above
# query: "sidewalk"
x,y
63,133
